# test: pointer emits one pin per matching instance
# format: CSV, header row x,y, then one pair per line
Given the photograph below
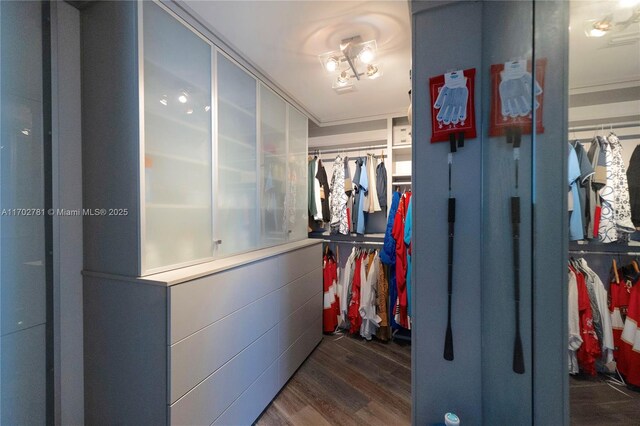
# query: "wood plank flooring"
x,y
595,403
347,381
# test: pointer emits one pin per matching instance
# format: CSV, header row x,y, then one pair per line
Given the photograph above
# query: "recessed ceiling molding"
x,y
605,86
348,138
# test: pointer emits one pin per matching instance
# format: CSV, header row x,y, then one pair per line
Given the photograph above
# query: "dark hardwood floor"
x,y
595,403
347,381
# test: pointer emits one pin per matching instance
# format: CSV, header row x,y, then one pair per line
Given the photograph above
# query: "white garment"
x,y
575,340
344,288
602,302
374,204
368,298
316,191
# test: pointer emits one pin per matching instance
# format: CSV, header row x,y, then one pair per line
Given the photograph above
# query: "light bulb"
x,y
366,55
372,71
190,111
594,32
332,64
25,132
164,101
343,79
207,108
182,98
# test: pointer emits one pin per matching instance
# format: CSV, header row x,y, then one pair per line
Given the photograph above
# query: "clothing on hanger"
x,y
338,199
381,184
633,178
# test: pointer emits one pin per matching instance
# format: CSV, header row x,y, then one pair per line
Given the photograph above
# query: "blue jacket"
x,y
388,252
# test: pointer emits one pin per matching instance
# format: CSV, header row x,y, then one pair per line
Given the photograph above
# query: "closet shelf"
x,y
355,238
585,247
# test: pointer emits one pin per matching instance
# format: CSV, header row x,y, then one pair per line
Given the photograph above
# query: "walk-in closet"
x,y
604,213
395,212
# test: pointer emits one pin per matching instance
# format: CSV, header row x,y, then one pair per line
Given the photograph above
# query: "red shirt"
x,y
630,339
589,351
355,320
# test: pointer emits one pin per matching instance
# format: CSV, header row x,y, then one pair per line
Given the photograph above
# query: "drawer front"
x,y
291,359
246,409
402,135
207,401
298,292
198,303
301,262
196,357
297,323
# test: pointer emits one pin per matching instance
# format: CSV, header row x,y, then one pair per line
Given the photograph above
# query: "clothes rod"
x,y
604,127
612,253
359,243
352,149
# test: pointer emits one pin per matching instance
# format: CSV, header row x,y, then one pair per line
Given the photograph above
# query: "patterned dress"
x,y
338,199
620,185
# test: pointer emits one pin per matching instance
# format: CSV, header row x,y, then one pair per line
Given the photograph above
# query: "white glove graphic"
x,y
515,90
452,99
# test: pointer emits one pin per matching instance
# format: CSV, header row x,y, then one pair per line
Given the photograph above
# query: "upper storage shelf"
x,y
207,160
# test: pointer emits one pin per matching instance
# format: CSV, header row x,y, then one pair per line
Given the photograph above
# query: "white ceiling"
x,y
594,62
284,38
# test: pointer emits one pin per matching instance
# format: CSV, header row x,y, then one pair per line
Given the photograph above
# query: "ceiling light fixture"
x,y
352,61
25,131
164,101
183,98
332,64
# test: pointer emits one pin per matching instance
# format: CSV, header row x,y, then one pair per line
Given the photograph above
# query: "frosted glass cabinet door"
x,y
237,214
273,165
296,196
177,140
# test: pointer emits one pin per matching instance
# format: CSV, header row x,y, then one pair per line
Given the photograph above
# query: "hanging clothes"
x,y
600,304
344,288
575,338
355,320
388,252
589,351
356,195
576,230
338,199
311,177
381,184
321,175
630,338
331,308
633,178
384,331
316,191
607,230
618,305
374,203
407,240
401,312
586,172
368,297
595,183
363,185
620,186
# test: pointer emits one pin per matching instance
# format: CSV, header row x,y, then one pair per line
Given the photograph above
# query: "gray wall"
x,y
439,385
67,230
479,385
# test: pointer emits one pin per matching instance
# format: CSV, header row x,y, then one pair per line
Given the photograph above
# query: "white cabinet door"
x,y
273,166
237,214
296,187
177,224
